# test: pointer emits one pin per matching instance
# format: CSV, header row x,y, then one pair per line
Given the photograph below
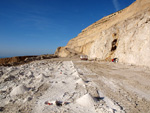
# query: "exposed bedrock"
x,y
124,34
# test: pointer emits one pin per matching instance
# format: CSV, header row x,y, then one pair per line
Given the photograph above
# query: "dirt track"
x,y
118,88
128,86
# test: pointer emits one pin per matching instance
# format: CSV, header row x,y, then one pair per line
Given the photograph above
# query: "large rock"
x,y
21,89
66,52
124,34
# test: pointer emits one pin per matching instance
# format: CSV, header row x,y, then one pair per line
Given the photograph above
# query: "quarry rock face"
x,y
124,35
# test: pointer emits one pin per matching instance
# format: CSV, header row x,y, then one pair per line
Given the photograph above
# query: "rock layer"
x,y
12,61
124,34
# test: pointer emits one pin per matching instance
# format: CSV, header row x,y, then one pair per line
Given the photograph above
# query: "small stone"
x,y
63,82
29,98
2,109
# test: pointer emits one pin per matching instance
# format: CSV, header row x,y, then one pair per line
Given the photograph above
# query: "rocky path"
x,y
65,86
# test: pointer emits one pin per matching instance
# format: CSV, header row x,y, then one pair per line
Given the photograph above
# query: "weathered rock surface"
x,y
66,52
12,61
124,35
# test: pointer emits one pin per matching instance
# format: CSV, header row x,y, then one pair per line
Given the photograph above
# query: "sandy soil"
x,y
74,86
127,86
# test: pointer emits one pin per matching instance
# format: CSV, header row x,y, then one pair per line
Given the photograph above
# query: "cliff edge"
x,y
124,34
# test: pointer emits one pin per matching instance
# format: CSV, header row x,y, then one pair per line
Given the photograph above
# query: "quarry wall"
x,y
124,35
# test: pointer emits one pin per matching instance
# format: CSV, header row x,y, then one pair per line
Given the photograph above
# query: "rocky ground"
x,y
127,86
74,86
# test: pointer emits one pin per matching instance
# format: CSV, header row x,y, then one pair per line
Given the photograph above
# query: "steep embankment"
x,y
124,34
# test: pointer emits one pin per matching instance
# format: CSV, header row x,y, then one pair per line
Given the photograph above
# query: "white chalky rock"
x,y
80,82
29,73
19,90
40,77
75,74
86,101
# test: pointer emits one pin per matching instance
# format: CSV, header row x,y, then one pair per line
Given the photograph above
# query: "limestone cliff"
x,y
124,34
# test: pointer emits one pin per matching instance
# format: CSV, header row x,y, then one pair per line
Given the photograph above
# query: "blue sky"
x,y
33,27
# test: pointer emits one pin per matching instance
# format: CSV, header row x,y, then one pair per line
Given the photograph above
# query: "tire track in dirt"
x,y
114,81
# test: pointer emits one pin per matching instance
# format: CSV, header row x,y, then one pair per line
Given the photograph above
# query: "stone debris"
x,y
86,100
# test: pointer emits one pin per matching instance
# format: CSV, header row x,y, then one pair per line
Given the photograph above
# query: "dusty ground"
x,y
88,86
128,86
